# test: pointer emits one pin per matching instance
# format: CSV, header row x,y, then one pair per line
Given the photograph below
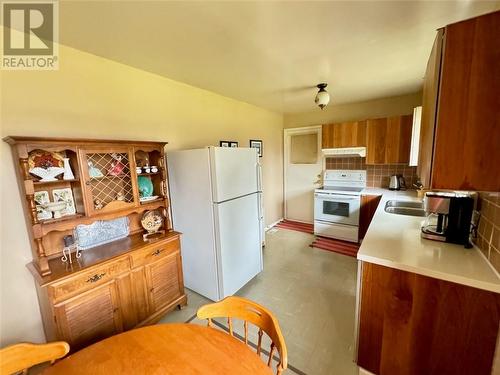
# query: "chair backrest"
x,y
249,311
20,357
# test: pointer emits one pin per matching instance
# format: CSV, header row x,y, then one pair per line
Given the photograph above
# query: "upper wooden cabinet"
x,y
388,140
114,179
460,131
105,186
346,134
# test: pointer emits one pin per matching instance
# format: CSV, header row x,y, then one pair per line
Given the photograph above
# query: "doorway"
x,y
303,171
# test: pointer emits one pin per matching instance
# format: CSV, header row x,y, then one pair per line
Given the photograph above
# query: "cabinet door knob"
x,y
157,252
96,277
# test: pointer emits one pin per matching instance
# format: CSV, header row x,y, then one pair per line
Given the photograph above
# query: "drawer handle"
x,y
157,252
95,278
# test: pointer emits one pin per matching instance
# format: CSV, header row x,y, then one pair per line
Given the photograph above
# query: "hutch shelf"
x,y
116,286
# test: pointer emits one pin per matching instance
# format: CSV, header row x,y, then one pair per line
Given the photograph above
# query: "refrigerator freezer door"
x,y
238,243
192,214
234,172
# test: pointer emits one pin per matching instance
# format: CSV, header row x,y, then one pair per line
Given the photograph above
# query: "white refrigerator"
x,y
216,203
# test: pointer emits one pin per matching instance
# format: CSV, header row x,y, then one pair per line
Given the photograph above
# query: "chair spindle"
x,y
245,323
230,323
271,354
259,343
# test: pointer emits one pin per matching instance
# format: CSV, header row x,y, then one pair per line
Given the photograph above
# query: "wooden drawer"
x,y
154,252
93,276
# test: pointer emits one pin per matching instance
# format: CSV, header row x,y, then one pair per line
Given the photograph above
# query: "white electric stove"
x,y
337,204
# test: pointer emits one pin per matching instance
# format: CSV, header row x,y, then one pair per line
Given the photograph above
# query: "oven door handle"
x,y
336,197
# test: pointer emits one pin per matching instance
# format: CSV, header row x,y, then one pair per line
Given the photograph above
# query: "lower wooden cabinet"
x,y
135,289
369,204
163,281
89,317
412,324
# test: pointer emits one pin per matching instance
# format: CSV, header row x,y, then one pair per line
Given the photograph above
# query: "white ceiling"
x,y
270,54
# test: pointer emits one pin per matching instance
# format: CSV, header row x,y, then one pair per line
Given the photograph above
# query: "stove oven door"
x,y
337,208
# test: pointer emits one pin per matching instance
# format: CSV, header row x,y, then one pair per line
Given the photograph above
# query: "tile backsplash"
x,y
376,175
488,238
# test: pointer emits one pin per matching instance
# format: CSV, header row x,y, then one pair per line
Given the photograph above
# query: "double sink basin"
x,y
405,208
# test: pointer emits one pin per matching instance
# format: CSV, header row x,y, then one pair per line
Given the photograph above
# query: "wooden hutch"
x,y
113,287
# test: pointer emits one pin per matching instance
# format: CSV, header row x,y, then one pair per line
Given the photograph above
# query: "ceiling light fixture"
x,y
322,97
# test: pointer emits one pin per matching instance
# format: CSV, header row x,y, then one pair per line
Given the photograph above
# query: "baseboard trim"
x,y
362,371
273,224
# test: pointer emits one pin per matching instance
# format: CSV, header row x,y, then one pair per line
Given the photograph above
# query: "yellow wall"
x,y
97,98
393,106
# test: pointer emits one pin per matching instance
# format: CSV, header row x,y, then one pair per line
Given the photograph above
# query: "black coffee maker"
x,y
449,216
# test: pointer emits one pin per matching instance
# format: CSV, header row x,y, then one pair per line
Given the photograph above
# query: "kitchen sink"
x,y
404,204
405,208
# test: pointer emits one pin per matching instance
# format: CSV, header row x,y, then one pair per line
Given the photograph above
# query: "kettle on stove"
x,y
397,182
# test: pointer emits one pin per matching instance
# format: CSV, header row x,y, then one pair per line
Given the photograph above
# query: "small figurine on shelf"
x,y
94,171
98,204
68,173
120,196
117,166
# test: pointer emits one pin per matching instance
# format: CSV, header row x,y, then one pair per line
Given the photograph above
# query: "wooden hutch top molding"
x,y
13,139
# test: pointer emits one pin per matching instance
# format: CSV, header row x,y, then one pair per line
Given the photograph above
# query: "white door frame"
x,y
286,146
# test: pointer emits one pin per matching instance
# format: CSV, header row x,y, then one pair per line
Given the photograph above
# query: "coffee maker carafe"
x,y
449,216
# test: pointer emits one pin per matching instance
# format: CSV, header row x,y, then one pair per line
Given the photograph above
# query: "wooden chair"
x,y
20,357
249,311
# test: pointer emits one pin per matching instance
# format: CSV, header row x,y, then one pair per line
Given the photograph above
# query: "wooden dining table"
x,y
164,349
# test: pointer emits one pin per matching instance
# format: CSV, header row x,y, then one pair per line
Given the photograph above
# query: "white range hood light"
x,y
345,152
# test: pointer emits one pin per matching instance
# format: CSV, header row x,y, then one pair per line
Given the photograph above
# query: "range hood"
x,y
345,152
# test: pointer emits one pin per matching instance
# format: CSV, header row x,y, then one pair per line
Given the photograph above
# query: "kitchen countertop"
x,y
394,241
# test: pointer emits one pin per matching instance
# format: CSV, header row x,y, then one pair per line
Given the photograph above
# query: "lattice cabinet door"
x,y
89,317
109,177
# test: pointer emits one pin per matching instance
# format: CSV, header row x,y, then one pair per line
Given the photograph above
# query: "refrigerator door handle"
x,y
259,177
259,204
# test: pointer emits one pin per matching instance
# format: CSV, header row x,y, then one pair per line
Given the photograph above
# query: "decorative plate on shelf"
x,y
152,221
45,165
65,195
41,199
145,186
45,159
